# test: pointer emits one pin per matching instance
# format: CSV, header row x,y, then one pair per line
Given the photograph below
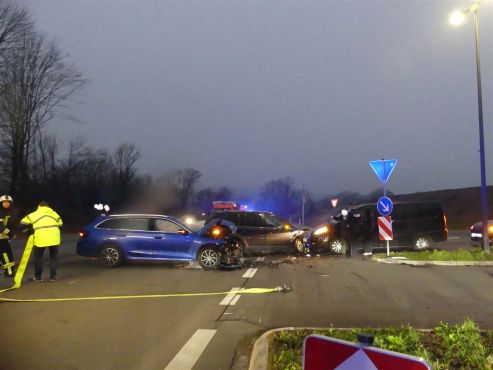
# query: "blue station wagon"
x,y
117,238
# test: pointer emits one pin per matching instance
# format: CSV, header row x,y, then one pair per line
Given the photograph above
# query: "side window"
x,y
231,216
166,226
405,211
272,221
254,220
242,219
112,223
136,224
429,210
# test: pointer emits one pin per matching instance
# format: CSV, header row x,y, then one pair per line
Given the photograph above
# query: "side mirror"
x,y
183,232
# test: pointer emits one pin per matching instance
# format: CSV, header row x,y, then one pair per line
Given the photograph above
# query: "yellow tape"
x,y
22,265
241,291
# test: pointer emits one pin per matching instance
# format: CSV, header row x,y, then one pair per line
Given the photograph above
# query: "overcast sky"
x,y
250,91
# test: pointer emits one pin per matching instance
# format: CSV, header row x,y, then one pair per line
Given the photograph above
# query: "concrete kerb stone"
x,y
433,263
260,352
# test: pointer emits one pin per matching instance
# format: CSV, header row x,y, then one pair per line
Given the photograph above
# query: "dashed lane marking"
x,y
231,298
186,358
250,272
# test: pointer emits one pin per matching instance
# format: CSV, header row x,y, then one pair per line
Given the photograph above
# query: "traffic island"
x,y
446,346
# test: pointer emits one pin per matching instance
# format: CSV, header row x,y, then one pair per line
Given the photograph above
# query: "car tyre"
x,y
299,246
338,246
422,242
110,256
209,258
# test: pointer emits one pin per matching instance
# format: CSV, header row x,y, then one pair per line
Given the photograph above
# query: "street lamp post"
x,y
457,18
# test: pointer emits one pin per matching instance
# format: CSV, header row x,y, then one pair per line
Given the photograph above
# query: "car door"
x,y
134,235
251,226
278,233
171,240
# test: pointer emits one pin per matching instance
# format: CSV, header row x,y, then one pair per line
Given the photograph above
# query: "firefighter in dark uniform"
x,y
6,233
347,229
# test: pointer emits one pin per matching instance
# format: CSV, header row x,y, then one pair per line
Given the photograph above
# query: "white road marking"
x,y
231,298
454,237
260,259
235,299
191,351
250,272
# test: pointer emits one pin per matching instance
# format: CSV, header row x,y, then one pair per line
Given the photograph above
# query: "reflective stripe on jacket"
x,y
5,234
46,224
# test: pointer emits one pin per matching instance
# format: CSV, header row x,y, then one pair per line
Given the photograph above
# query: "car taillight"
x,y
83,233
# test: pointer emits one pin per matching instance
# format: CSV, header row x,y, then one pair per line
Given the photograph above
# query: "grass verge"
x,y
475,254
447,346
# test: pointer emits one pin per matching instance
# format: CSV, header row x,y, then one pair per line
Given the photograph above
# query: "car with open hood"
x,y
144,237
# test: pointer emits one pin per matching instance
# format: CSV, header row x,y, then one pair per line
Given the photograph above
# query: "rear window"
x,y
140,224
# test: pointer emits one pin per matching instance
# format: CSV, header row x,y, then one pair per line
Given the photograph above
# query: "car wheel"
x,y
299,246
422,242
337,246
110,256
209,258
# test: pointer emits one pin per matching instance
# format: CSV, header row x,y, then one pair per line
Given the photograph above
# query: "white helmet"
x,y
6,197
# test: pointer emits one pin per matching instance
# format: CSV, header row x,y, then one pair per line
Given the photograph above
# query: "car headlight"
x,y
490,229
321,230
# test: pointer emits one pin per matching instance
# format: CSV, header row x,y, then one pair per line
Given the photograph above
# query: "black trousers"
x,y
6,256
38,261
349,239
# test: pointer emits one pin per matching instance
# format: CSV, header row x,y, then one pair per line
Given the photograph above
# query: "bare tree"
x,y
279,196
35,83
183,182
14,22
124,159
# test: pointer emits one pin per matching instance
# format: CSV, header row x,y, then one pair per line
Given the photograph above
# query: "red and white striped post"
x,y
385,230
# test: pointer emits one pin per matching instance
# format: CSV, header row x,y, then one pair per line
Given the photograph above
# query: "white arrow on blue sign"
x,y
385,206
383,168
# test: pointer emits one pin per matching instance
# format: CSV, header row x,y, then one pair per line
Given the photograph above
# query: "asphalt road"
x,y
209,331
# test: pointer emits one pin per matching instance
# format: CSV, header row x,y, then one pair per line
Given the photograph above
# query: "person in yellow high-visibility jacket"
x,y
45,223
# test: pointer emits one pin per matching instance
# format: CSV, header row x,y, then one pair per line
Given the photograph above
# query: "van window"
x,y
405,211
430,210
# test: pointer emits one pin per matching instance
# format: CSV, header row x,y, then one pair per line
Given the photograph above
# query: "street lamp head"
x,y
457,18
